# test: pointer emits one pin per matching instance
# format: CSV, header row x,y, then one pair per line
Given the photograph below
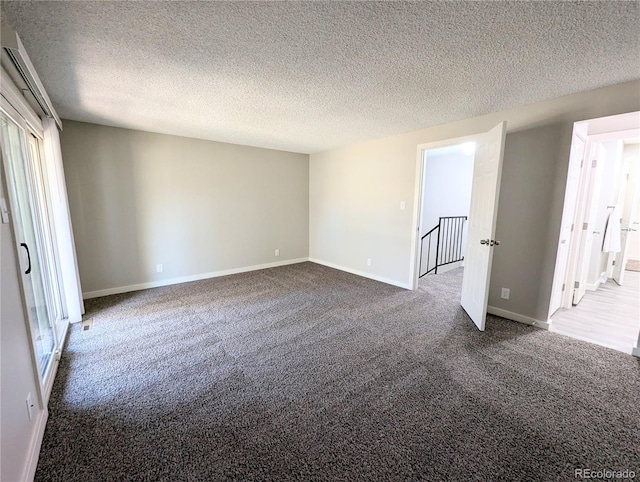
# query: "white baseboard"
x,y
527,320
382,279
593,286
34,446
448,267
185,279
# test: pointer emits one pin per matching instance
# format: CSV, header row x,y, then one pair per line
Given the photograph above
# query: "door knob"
x,y
494,243
484,241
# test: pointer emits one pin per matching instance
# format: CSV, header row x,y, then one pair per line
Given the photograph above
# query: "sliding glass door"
x,y
52,275
37,254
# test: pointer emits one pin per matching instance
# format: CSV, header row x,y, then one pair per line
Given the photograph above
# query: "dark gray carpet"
x,y
307,373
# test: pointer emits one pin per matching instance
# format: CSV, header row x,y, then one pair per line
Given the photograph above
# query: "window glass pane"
x,y
24,205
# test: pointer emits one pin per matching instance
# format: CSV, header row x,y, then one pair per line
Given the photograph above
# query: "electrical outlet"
x,y
159,268
506,292
277,252
368,261
29,405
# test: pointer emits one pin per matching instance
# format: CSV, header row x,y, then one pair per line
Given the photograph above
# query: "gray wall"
x,y
355,192
534,177
139,199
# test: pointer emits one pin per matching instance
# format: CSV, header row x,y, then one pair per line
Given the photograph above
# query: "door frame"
x,y
576,215
571,199
41,383
414,269
630,197
589,197
31,126
47,129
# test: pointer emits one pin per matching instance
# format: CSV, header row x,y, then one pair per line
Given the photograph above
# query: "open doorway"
x,y
468,238
595,290
447,176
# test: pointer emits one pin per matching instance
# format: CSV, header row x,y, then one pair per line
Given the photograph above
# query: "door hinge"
x,y
564,285
585,226
613,263
577,284
581,162
594,163
572,226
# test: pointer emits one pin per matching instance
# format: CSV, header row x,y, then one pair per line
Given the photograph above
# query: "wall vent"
x,y
87,324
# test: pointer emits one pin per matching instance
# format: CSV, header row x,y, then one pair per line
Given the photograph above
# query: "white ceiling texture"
x,y
310,76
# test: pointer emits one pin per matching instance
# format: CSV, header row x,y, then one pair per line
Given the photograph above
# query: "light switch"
x,y
403,205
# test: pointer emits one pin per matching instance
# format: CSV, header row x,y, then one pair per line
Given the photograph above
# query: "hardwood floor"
x,y
609,316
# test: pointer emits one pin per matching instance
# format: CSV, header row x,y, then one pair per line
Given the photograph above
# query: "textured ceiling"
x,y
309,76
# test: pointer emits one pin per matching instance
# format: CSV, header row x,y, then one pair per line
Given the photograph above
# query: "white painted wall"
x,y
607,124
19,436
446,191
355,191
447,179
139,199
610,166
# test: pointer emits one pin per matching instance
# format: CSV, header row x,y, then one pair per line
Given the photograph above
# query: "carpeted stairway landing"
x,y
307,373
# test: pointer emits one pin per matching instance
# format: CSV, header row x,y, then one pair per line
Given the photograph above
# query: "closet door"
x,y
25,206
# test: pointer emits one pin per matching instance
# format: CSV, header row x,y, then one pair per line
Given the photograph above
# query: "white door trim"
x,y
414,269
571,199
568,278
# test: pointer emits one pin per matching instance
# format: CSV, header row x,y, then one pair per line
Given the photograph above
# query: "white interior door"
x,y
629,221
576,161
596,164
482,223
